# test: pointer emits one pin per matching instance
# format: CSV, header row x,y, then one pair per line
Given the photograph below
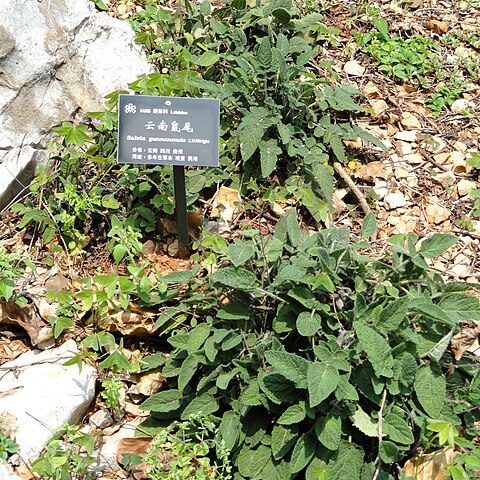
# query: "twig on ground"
x,y
380,433
356,191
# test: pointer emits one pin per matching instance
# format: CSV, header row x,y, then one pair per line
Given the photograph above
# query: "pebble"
x,y
445,179
101,419
353,68
436,213
407,135
410,121
395,200
465,187
381,189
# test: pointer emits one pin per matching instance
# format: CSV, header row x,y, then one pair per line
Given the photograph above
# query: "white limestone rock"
x,y
57,57
41,394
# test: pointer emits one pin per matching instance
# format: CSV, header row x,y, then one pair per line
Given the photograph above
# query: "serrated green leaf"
x,y
283,439
264,53
437,244
460,306
229,428
329,431
208,58
234,311
425,306
205,404
430,388
437,351
397,429
289,365
322,380
252,129
294,414
364,423
240,252
269,152
324,178
392,316
165,401
347,463
197,337
377,348
251,462
308,323
388,452
338,148
369,226
303,452
187,371
119,252
277,389
235,277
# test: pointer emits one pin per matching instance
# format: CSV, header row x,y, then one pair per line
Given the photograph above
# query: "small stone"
x,y
149,248
436,213
101,419
407,135
404,148
381,189
461,105
458,163
395,200
441,158
6,471
410,121
173,248
413,159
445,179
465,187
122,9
378,106
461,270
401,172
353,68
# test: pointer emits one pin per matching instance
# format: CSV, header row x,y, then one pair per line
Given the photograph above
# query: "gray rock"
x,y
101,419
39,394
57,58
6,471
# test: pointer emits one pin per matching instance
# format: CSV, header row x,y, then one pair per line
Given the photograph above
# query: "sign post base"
x,y
181,209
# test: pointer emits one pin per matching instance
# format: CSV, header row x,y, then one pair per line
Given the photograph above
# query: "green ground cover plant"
x,y
318,361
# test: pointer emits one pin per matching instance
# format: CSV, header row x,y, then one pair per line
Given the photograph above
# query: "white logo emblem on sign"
x,y
130,108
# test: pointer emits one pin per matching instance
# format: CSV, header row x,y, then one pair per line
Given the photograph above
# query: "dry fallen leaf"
x,y
148,384
129,322
466,338
223,203
26,318
431,466
135,446
370,171
437,26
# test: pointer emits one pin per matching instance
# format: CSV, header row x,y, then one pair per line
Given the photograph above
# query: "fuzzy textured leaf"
x,y
347,463
165,401
289,365
437,244
329,431
397,429
430,387
364,423
322,380
252,128
377,348
283,439
303,452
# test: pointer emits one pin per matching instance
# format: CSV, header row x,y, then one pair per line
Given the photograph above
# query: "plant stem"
x,y
380,433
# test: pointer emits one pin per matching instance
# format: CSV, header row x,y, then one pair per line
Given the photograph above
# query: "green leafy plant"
x,y
111,393
12,268
412,59
321,362
66,457
182,450
7,446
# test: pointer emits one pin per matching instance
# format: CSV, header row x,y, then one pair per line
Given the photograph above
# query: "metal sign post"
x,y
170,131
